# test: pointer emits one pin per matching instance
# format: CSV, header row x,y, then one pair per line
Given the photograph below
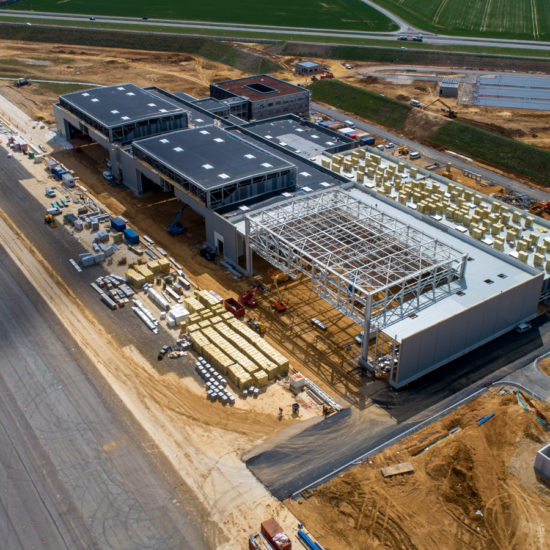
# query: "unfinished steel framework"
x,y
370,266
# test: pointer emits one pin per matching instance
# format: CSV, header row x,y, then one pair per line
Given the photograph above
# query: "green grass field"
x,y
384,110
494,149
339,14
520,19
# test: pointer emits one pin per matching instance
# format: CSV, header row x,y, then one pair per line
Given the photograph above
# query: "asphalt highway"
x,y
429,38
437,156
77,471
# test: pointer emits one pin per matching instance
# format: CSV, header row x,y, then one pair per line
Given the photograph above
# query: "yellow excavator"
x,y
451,113
50,220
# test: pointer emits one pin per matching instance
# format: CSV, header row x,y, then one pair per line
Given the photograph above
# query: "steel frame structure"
x,y
369,265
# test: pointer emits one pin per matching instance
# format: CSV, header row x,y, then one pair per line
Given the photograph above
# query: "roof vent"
x,y
502,275
489,281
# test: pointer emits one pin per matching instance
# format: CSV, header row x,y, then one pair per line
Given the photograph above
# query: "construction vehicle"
x,y
257,326
176,228
50,220
248,298
540,207
327,75
446,109
22,82
207,253
403,150
278,304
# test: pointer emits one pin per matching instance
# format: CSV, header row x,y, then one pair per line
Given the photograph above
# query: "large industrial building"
x,y
427,268
267,96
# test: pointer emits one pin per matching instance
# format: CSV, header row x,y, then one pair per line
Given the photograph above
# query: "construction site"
x,y
280,272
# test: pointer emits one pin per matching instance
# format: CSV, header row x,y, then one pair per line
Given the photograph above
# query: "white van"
x,y
414,155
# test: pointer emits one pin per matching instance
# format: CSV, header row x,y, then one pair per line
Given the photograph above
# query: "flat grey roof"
x,y
487,274
308,64
117,105
294,135
211,157
197,118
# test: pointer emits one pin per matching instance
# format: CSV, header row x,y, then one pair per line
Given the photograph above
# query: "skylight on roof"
x,y
207,166
121,88
223,176
205,132
305,174
307,189
219,140
178,149
151,104
286,194
325,184
314,136
164,140
85,94
125,118
130,93
249,156
244,208
267,165
267,136
95,100
299,129
199,120
330,142
115,112
163,110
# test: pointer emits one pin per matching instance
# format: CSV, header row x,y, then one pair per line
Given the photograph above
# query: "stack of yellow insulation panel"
x,y
239,376
207,299
249,350
134,278
164,266
145,272
193,305
278,358
154,266
198,340
217,358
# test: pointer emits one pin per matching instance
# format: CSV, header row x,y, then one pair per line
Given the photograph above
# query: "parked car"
x,y
523,327
108,175
390,145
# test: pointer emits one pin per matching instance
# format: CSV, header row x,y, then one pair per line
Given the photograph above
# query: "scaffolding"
x,y
370,266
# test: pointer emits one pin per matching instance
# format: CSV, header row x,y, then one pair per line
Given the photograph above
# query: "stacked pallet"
x,y
252,352
134,278
253,337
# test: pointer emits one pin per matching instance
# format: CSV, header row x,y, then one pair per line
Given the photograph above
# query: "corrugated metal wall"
x,y
439,344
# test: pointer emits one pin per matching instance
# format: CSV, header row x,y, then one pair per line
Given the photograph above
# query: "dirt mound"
x,y
472,489
420,125
497,129
369,80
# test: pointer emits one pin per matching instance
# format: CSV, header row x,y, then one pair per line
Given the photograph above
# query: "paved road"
x,y
433,154
288,465
277,30
77,471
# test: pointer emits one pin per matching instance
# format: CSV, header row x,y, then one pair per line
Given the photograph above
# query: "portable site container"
x,y
118,224
131,236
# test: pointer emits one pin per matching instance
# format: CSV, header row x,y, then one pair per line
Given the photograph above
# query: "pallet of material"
x,y
397,469
193,305
134,278
239,376
145,272
198,340
154,266
207,299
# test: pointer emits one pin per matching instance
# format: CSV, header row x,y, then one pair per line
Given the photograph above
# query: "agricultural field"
x,y
516,19
339,14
